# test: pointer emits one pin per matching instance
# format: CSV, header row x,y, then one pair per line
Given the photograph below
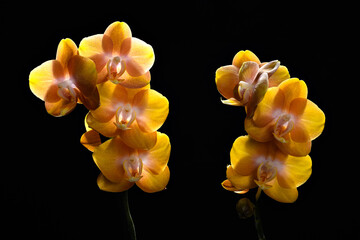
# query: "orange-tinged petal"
x,y
135,138
309,116
294,172
294,148
226,79
281,194
65,51
260,134
151,183
108,129
240,181
281,74
269,108
114,36
140,58
293,88
108,186
244,56
129,81
157,157
243,155
152,109
43,77
60,108
90,140
109,157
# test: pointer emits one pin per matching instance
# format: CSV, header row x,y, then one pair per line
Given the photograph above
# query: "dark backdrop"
x,y
48,181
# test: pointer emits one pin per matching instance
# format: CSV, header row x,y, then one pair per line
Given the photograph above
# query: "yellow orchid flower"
x,y
118,56
65,81
288,117
264,165
133,114
122,166
245,82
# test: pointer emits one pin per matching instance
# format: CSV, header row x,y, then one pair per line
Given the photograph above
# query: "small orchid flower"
x,y
119,57
245,82
288,117
264,165
122,166
65,81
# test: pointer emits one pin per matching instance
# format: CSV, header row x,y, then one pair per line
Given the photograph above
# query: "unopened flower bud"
x,y
245,208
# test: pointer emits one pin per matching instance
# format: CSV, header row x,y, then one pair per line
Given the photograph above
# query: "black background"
x,y
48,185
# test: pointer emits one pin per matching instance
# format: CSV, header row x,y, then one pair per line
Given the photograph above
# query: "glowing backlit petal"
x,y
281,74
136,138
226,79
281,194
151,183
244,56
140,58
295,171
114,36
108,186
65,51
152,109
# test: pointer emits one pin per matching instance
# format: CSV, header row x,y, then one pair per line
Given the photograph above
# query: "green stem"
x,y
130,227
258,222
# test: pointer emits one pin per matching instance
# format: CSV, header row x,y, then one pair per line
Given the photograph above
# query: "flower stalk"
x,y
129,225
257,217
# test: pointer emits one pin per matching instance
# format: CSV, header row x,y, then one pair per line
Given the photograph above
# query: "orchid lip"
x,y
265,174
124,117
133,167
67,90
115,68
284,124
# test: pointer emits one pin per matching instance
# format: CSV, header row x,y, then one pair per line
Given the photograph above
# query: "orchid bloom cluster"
x,y
109,74
281,124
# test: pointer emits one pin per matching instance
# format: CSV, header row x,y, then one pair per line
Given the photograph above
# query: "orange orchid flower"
x,y
288,117
245,82
264,165
122,166
65,81
119,57
133,114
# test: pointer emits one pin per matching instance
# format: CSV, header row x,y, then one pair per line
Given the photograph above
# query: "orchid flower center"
x,y
284,124
115,68
133,167
266,173
67,90
124,117
244,90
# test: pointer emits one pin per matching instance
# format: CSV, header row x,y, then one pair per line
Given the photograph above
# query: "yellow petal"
x,y
151,183
114,36
152,109
244,56
108,129
136,138
281,74
109,157
157,157
310,117
43,77
140,58
292,88
243,155
65,51
240,181
226,79
281,194
129,81
90,140
108,186
294,172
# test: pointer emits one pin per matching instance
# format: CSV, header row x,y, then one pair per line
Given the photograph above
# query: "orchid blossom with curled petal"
x,y
65,81
264,165
245,82
133,114
119,57
287,117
